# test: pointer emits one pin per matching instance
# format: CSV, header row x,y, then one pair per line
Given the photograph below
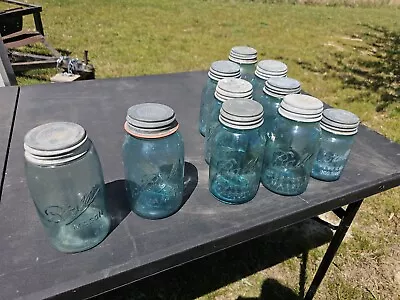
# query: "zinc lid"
x,y
243,55
271,68
339,121
241,114
224,69
279,87
55,143
151,120
301,108
230,88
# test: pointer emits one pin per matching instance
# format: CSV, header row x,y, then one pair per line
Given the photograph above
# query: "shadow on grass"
x,y
208,274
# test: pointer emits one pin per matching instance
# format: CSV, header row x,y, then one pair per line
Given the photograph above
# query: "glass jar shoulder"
x,y
241,140
286,129
336,140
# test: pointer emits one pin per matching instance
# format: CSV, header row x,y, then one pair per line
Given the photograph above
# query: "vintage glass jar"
x,y
246,57
237,152
228,88
339,128
291,149
219,69
153,156
66,183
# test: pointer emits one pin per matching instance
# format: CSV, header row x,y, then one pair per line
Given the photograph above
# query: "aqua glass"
x,y
218,70
246,57
65,180
153,155
237,152
291,150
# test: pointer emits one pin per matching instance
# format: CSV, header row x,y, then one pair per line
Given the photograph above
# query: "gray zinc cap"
x,y
301,108
230,88
56,143
339,121
243,55
279,87
241,114
224,69
271,68
151,120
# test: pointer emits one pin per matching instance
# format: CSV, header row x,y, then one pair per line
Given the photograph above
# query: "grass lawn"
x,y
347,56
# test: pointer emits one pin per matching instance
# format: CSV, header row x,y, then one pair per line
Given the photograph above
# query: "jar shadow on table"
x,y
118,203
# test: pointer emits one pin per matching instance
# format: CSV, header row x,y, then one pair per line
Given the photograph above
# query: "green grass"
x,y
346,56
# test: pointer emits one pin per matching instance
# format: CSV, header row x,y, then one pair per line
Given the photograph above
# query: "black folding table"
x,y
136,248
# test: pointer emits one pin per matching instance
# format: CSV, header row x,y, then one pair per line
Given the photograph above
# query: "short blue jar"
x,y
237,152
219,70
246,57
275,89
227,89
291,149
339,128
153,156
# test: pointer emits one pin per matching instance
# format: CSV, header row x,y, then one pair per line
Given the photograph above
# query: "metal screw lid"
x,y
271,68
339,121
56,143
230,88
243,55
279,87
301,108
151,120
224,69
241,114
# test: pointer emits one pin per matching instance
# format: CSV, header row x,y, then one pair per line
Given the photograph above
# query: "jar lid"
x,y
271,68
55,143
230,88
151,120
301,108
243,55
224,69
279,87
339,121
241,114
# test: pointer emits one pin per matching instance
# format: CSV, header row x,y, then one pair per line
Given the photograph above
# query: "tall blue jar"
x,y
153,156
219,70
65,180
275,89
246,57
237,152
228,88
266,69
291,149
339,128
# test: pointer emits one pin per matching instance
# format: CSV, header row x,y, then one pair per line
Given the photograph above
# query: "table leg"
x,y
334,245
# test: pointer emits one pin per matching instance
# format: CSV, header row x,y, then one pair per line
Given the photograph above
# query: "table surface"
x,y
31,269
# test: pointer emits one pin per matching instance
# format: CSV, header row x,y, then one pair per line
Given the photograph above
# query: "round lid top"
x,y
301,108
230,88
243,55
279,87
224,69
151,120
241,113
339,121
271,68
55,143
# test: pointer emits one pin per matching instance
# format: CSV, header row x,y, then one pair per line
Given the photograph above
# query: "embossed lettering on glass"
x,y
66,183
153,155
246,57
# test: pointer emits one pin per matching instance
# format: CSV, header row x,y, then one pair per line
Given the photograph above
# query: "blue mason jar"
x,y
246,57
66,184
339,128
237,152
274,90
228,88
219,70
291,149
153,155
266,69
